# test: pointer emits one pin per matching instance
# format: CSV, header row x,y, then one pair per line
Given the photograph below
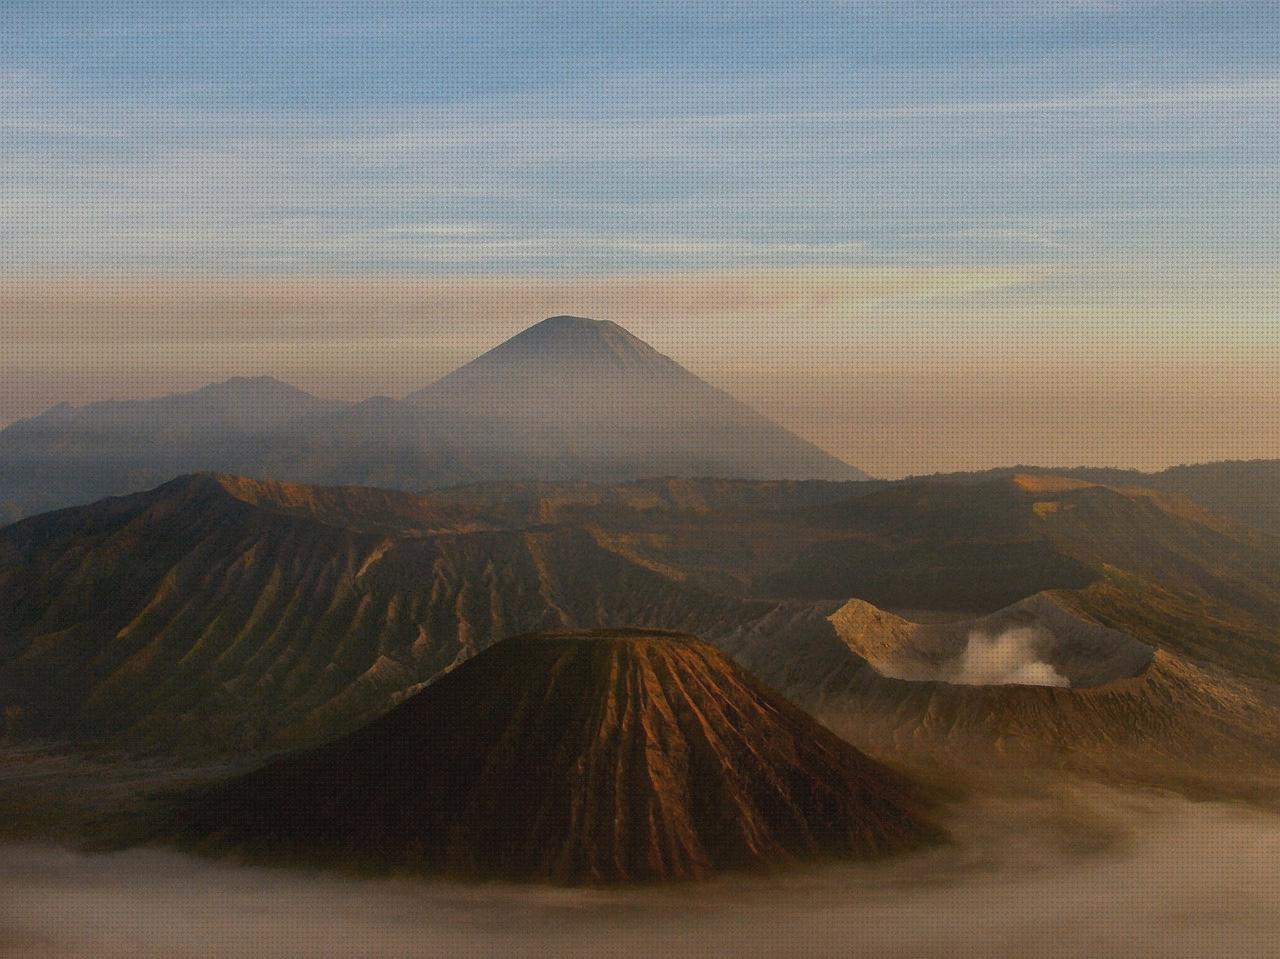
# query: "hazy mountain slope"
x,y
566,399
575,757
78,454
580,398
234,406
70,456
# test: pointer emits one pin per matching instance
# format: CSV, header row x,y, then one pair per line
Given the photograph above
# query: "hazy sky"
x,y
926,235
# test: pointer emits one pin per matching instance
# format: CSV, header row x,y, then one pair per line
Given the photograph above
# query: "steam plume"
x,y
1010,657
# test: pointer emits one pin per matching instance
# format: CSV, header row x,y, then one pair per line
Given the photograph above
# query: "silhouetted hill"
x,y
241,404
70,455
1247,491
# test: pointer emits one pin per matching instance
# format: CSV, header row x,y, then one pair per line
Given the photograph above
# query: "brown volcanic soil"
x,y
575,757
217,616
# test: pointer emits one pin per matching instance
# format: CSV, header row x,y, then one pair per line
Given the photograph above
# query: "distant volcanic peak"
x,y
575,333
577,329
599,756
577,398
237,389
239,406
566,323
233,389
552,355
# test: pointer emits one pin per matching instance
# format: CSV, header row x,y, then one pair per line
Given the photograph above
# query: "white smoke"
x,y
1010,657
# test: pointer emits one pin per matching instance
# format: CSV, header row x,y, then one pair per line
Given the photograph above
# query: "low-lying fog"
x,y
1087,872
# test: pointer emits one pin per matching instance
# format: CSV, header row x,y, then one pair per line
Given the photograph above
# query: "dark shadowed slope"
x,y
216,613
581,757
981,546
1246,491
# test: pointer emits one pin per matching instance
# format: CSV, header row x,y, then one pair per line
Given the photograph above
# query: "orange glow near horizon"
x,y
898,370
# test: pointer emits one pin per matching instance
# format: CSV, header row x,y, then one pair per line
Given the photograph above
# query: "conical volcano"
x,y
567,399
582,347
575,757
577,398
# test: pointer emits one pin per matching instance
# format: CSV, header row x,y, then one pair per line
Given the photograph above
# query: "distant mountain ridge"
x,y
237,404
220,611
568,398
1247,491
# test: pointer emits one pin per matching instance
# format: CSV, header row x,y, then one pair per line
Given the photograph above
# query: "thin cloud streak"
x,y
617,170
162,308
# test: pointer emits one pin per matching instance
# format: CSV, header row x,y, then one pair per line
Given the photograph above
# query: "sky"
x,y
928,236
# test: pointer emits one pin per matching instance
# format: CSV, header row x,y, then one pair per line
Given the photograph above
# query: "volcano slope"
x,y
1158,619
1159,567
219,615
1072,695
599,756
576,398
